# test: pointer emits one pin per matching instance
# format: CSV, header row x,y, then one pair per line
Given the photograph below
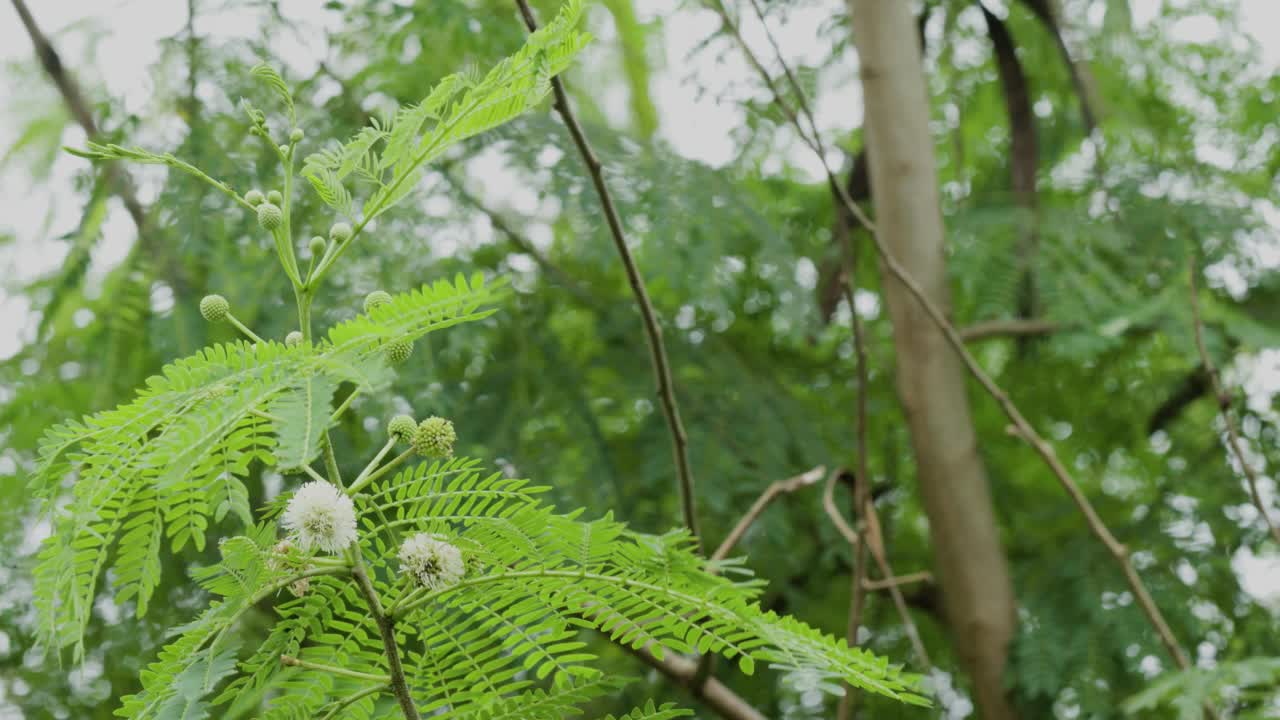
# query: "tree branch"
x,y
653,333
778,487
1042,448
1224,401
992,329
712,693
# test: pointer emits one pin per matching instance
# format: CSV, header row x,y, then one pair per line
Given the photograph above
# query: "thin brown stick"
x,y
1099,529
653,333
1224,402
711,692
776,488
874,542
74,99
923,576
992,329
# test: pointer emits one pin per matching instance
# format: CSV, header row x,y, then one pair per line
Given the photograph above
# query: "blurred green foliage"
x,y
558,386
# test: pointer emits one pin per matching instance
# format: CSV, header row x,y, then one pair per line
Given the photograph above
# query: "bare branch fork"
x,y
771,493
653,332
1042,448
1224,402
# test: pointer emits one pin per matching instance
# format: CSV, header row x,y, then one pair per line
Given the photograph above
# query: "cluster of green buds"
x,y
432,438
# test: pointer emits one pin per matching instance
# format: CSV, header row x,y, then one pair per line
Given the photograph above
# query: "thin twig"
x,y
1099,529
864,508
776,488
923,576
653,332
874,543
1008,328
292,661
1224,402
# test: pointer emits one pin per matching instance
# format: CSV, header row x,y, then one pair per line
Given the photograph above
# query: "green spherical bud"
x,y
284,149
398,352
317,246
293,339
296,135
254,197
275,198
340,232
402,428
269,216
214,308
376,299
434,438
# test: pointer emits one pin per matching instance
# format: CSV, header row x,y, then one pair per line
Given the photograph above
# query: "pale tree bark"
x,y
971,564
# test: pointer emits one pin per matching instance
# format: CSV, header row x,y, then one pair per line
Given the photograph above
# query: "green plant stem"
x,y
406,608
241,327
292,661
387,629
353,699
343,407
314,475
331,461
303,297
367,476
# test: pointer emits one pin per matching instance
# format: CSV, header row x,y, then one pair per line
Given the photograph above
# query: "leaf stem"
x,y
292,661
235,322
353,699
368,475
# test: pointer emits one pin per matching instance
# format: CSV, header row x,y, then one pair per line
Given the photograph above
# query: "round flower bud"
x,y
214,308
284,149
431,562
319,516
402,428
269,216
398,352
317,246
434,438
296,135
293,339
340,232
376,299
254,197
275,198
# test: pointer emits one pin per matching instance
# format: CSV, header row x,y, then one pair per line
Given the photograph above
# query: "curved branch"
x,y
653,333
1224,403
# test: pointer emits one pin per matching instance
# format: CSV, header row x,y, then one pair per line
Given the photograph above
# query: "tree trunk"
x,y
971,565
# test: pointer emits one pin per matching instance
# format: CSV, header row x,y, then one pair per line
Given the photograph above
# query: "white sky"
x,y
697,126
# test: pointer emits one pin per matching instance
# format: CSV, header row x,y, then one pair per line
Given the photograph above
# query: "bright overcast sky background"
x,y
699,126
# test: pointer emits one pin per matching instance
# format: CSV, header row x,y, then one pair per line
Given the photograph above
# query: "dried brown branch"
x,y
993,329
1042,448
78,106
875,543
653,332
776,488
711,692
923,576
1224,402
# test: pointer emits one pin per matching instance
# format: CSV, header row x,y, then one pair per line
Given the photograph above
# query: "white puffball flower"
x,y
320,516
432,562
